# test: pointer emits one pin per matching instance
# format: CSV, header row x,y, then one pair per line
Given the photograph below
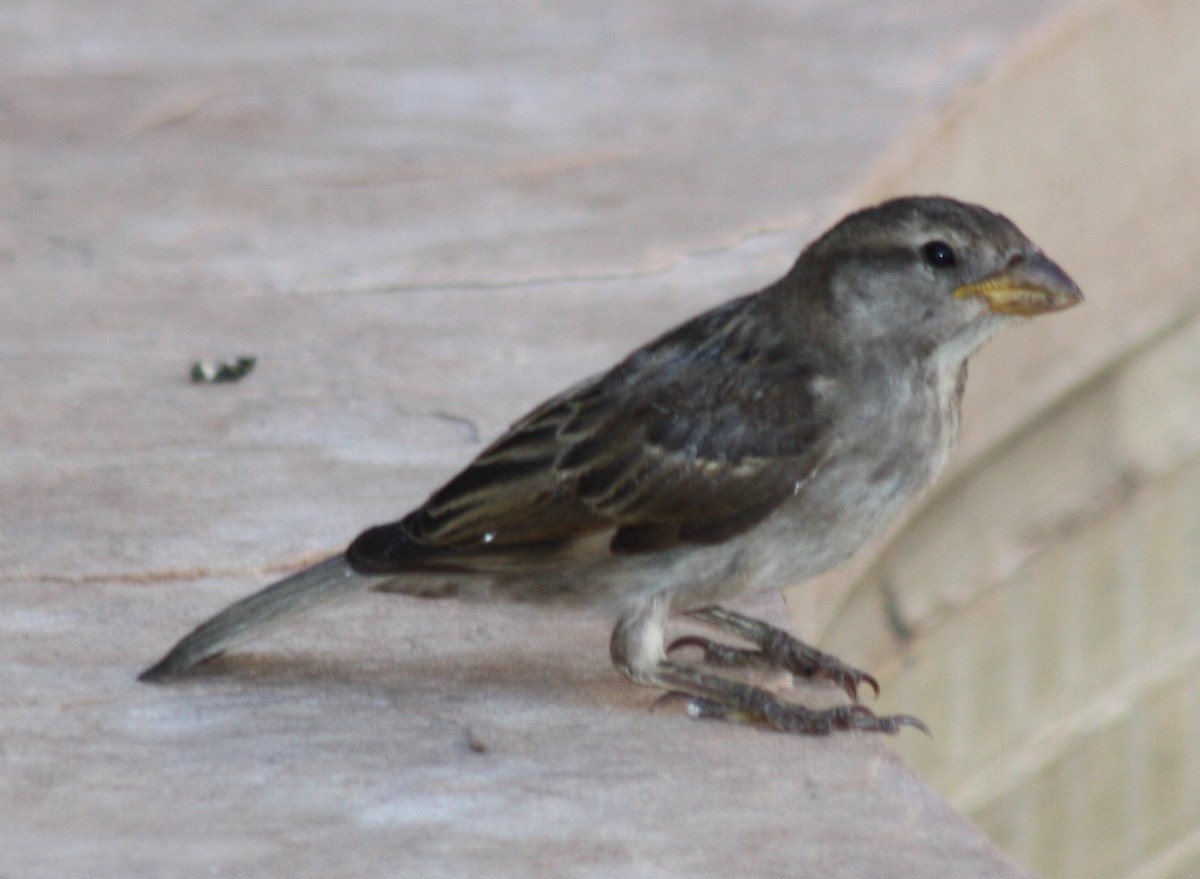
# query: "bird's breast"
x,y
887,450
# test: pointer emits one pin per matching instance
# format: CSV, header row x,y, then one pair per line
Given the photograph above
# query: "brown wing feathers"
x,y
640,462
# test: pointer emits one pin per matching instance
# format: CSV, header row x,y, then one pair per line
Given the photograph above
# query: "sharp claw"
x,y
862,718
689,641
850,685
899,720
849,679
870,682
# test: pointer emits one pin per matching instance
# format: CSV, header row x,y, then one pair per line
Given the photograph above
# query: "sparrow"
x,y
755,445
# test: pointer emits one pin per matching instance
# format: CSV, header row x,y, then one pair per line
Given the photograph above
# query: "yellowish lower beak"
x,y
1029,284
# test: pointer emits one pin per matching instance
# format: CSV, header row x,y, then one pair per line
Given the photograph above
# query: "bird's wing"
x,y
693,439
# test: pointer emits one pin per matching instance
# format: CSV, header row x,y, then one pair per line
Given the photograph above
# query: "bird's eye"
x,y
939,255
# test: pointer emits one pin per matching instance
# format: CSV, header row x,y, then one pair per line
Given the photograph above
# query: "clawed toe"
x,y
847,677
798,719
774,648
704,644
787,717
892,723
725,655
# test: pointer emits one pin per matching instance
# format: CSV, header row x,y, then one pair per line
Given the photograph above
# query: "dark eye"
x,y
939,255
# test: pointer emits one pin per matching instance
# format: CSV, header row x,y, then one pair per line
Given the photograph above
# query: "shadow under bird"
x,y
755,445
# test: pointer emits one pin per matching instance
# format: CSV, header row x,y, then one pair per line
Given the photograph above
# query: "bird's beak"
x,y
1031,283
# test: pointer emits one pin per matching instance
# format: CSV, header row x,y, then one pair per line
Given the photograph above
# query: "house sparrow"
x,y
755,445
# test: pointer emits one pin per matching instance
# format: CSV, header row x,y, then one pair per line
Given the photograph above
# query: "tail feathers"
x,y
323,582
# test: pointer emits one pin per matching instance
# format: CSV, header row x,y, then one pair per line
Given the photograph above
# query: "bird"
x,y
753,446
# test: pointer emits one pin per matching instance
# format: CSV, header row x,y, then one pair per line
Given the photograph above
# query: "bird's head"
x,y
931,271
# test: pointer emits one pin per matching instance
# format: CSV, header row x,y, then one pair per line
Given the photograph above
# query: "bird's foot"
x,y
709,697
791,718
774,649
637,653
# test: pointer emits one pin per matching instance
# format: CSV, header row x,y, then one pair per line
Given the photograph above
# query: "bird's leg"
x,y
775,649
638,653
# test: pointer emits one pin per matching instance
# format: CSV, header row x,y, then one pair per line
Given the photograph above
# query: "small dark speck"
x,y
470,428
475,744
212,372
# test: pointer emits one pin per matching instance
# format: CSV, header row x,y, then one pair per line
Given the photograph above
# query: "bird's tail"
x,y
323,582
